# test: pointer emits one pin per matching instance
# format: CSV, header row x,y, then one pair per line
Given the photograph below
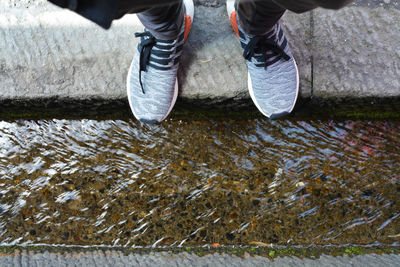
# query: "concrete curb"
x,y
116,258
47,52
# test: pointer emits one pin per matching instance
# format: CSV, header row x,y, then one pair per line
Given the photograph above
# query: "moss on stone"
x,y
346,108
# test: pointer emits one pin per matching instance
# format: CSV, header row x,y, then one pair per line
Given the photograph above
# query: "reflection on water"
x,y
191,182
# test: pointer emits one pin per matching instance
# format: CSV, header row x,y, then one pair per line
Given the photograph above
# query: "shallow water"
x,y
188,182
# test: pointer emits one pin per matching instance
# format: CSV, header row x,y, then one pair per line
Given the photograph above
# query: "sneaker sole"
x,y
189,16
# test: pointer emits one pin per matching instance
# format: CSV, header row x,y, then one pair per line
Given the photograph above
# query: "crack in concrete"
x,y
312,52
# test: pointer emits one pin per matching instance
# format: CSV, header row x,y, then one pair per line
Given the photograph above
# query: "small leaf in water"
x,y
253,224
272,253
26,212
258,243
116,217
77,238
394,236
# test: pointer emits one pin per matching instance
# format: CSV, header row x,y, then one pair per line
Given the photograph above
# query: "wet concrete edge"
x,y
95,108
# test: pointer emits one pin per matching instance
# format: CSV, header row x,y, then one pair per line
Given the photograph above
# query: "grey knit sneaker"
x,y
273,78
152,84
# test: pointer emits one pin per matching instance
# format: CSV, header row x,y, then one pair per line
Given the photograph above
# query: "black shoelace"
x,y
260,45
163,53
146,45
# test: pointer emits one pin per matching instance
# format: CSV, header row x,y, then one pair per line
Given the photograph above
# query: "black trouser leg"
x,y
162,18
164,22
259,16
255,16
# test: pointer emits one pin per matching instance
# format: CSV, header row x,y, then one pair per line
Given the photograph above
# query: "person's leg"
x,y
164,22
152,84
273,79
258,17
103,12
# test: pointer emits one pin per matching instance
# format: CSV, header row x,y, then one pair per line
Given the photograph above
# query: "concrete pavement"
x,y
117,258
47,52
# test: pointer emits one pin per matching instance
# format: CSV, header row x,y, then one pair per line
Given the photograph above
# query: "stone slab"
x,y
117,258
48,52
356,50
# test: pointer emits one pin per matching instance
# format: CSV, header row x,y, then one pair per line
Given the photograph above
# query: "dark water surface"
x,y
231,182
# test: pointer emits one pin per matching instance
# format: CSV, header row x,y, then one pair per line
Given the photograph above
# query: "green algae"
x,y
271,253
313,108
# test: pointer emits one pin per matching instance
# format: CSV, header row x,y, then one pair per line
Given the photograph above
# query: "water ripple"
x,y
89,182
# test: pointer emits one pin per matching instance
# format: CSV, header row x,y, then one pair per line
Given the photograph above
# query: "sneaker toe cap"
x,y
149,121
274,90
153,103
148,113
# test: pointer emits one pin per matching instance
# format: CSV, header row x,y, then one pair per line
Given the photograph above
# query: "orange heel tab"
x,y
188,26
234,23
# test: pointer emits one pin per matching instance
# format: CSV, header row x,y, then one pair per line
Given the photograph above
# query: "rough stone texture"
x,y
47,52
356,51
116,258
208,69
298,32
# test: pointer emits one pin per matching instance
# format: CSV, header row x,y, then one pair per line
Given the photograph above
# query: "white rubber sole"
x,y
189,8
251,92
230,7
128,89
